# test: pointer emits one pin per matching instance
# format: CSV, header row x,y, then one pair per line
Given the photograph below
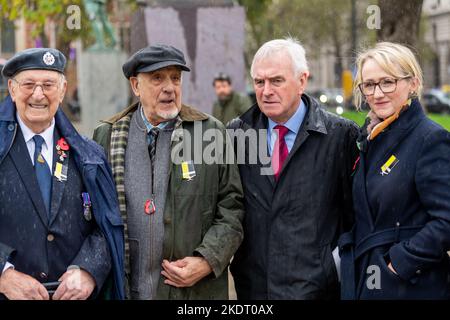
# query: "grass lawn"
x,y
358,117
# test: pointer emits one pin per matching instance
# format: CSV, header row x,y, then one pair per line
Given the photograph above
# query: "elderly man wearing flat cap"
x,y
183,221
61,234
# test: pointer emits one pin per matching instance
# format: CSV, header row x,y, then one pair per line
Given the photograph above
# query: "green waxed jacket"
x,y
202,216
232,108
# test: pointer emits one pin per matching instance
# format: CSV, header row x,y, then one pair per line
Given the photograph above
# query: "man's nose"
x,y
168,87
267,89
38,92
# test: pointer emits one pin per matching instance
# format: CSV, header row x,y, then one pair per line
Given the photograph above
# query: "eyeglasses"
x,y
28,87
386,85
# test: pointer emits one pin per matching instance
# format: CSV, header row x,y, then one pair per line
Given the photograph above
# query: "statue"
x,y
96,12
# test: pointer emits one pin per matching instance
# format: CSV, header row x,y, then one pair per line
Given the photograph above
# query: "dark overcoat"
x,y
292,225
401,196
44,247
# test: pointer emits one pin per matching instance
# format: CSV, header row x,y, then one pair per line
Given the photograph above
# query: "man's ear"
x,y
134,83
63,91
11,89
303,81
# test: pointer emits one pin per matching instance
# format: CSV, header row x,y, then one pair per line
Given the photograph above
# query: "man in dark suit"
x,y
59,219
294,216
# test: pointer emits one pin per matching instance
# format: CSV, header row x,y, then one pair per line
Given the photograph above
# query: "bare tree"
x,y
400,21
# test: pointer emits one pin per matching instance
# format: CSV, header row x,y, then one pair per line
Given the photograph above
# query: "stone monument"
x,y
210,33
102,88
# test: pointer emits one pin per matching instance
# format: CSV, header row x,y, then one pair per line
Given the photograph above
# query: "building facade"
x,y
437,36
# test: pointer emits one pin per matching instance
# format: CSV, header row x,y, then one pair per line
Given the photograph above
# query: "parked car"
x,y
436,101
330,97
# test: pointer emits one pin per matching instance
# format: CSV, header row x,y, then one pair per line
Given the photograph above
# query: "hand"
x,y
76,284
392,268
185,272
16,285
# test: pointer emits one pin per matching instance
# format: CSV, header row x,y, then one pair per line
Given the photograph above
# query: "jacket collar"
x,y
313,121
7,113
187,113
83,150
409,117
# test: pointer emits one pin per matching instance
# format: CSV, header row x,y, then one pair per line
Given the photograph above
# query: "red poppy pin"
x,y
63,145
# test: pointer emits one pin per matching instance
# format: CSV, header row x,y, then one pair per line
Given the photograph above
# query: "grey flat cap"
x,y
152,58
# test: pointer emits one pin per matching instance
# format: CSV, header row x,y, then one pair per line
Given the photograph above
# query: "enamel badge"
x,y
389,165
61,168
48,59
188,170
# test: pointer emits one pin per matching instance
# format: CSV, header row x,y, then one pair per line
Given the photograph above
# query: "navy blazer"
x,y
402,209
96,178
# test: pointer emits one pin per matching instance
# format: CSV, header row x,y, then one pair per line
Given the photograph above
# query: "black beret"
x,y
35,59
222,76
152,58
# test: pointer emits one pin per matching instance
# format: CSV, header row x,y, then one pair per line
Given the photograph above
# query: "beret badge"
x,y
48,59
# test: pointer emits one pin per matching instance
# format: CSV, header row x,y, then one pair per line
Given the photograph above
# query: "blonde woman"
x,y
401,189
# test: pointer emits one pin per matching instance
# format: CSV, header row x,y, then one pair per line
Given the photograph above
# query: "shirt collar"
x,y
28,134
294,122
147,123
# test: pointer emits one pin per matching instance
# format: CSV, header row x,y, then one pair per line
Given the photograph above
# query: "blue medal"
x,y
87,206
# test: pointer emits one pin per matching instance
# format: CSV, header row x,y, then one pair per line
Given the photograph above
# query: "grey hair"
x,y
62,78
289,45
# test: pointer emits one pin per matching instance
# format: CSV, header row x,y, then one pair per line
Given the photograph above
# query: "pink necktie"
x,y
280,150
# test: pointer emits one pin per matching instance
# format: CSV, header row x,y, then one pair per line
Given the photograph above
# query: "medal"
x,y
61,172
60,168
87,206
188,170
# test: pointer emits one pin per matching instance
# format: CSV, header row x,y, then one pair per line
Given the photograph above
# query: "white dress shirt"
x,y
47,151
47,146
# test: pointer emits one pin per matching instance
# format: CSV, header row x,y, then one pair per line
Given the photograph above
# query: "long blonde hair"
x,y
395,59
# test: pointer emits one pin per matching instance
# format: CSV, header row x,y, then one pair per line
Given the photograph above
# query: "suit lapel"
x,y
386,143
22,162
57,185
261,124
363,190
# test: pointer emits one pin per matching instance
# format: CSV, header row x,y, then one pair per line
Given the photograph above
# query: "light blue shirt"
x,y
293,124
149,126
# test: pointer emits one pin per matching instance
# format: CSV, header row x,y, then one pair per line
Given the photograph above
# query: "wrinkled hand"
x,y
185,272
19,286
392,268
76,284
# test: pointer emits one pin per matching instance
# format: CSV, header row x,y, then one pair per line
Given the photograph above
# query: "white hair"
x,y
289,45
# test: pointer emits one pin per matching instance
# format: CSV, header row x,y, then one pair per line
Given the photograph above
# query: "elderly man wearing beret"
x,y
61,234
183,221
